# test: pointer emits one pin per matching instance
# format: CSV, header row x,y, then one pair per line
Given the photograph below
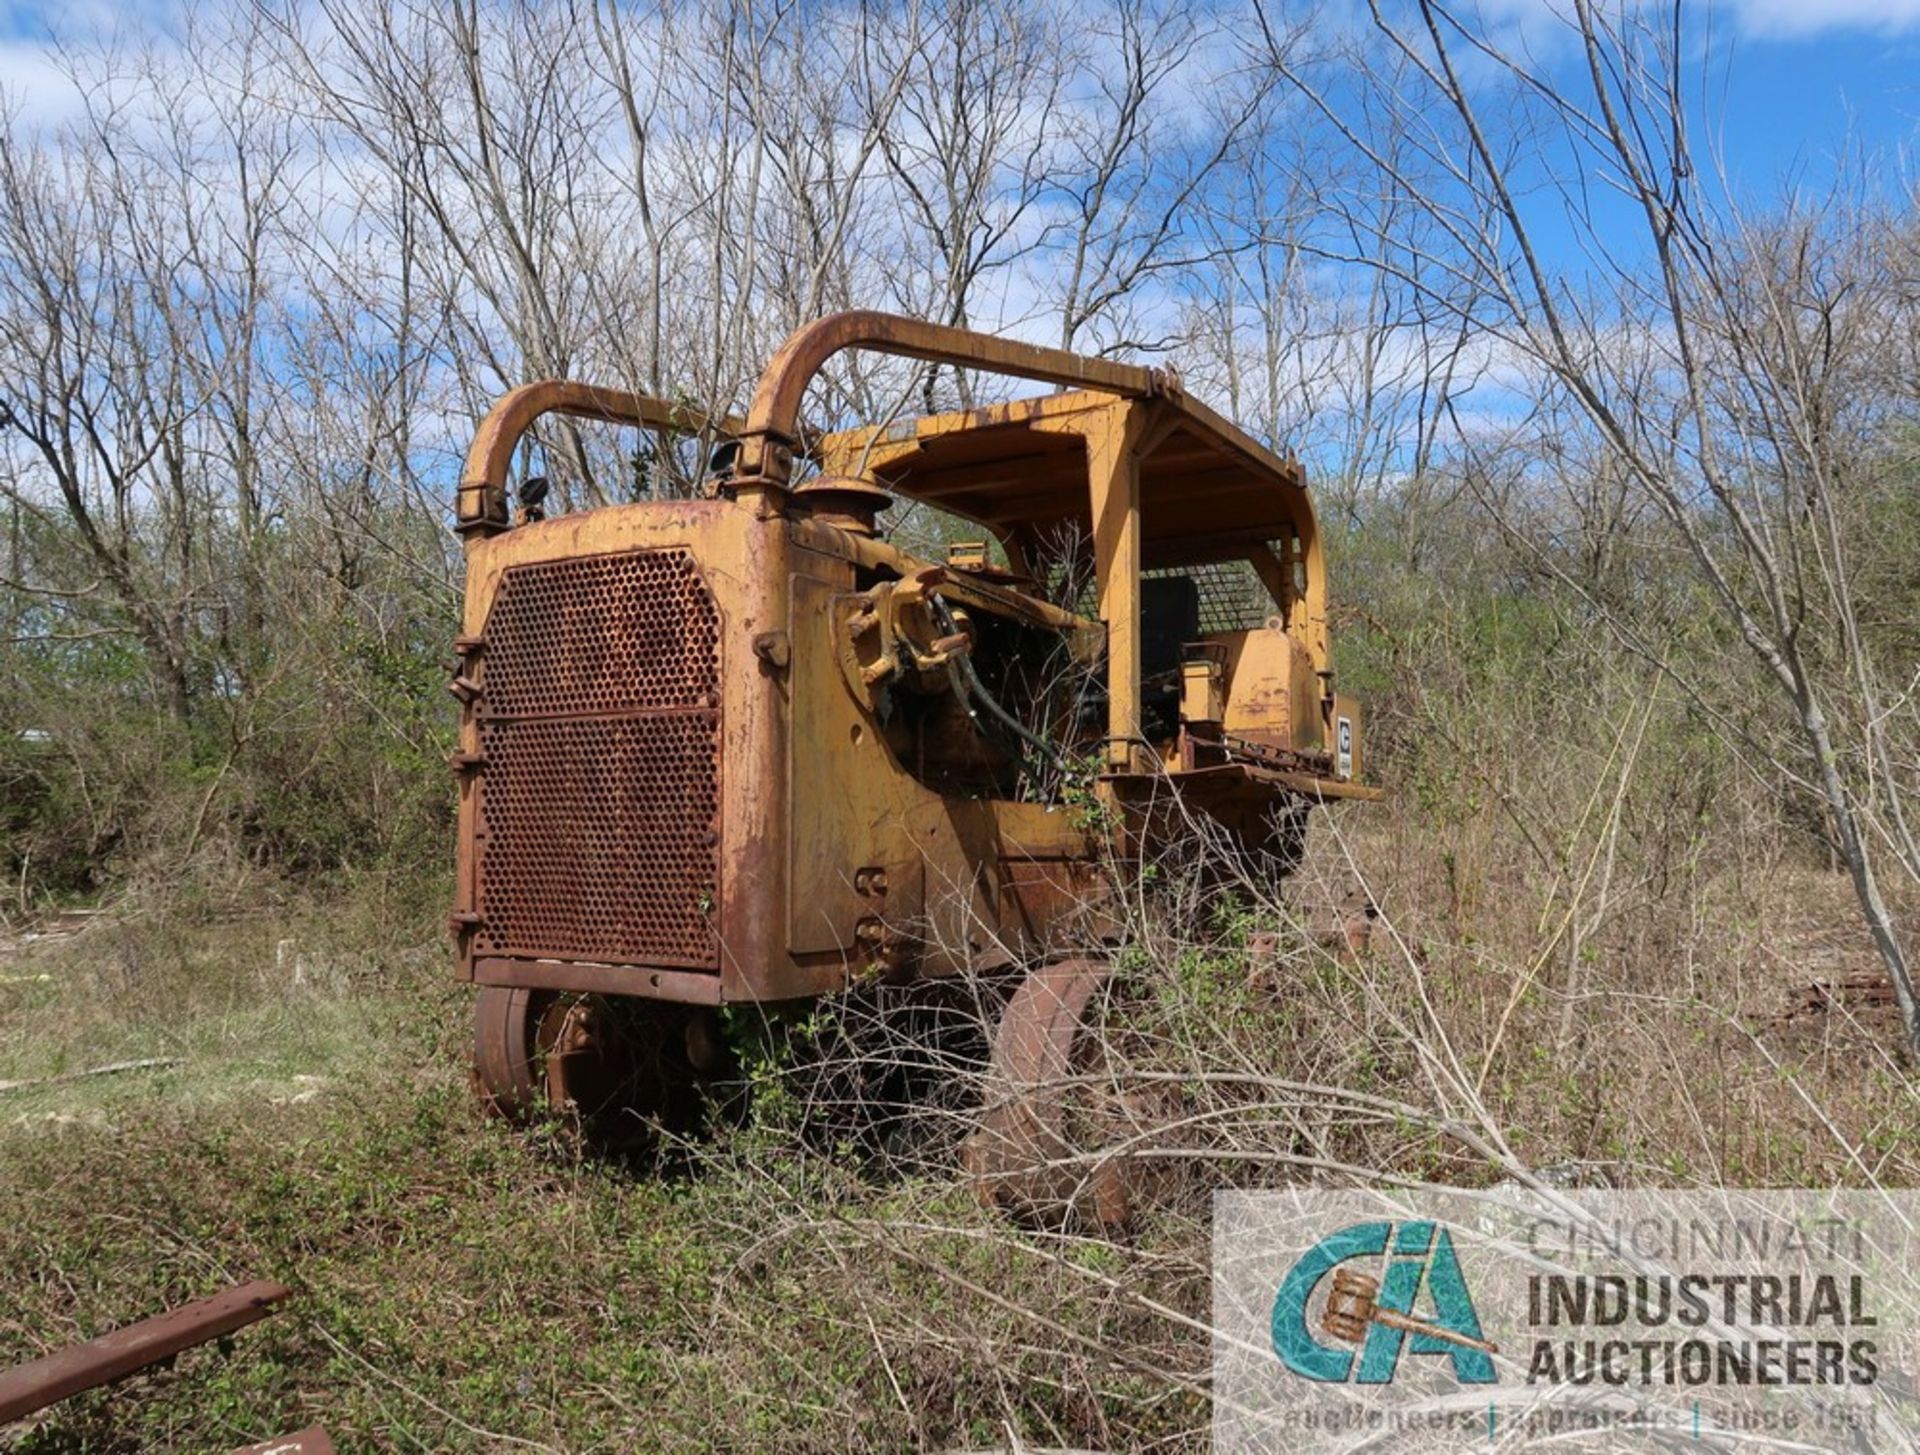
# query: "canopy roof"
x,y
1207,490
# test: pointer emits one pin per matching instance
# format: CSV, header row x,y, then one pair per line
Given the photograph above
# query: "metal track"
x,y
35,1385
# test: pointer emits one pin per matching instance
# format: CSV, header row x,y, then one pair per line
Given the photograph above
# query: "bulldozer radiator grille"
x,y
600,727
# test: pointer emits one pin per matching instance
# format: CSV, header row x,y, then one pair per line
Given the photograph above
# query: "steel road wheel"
x,y
1034,1153
614,1068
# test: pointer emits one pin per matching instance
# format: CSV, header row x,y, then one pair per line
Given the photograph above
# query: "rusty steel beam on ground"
x,y
311,1441
41,1382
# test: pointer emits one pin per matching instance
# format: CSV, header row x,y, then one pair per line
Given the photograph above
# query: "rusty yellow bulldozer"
x,y
741,748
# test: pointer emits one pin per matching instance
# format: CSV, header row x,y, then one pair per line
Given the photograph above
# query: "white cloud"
x,y
1798,19
33,83
1542,25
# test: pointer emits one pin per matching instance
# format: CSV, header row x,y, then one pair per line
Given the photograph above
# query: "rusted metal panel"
x,y
1203,684
311,1441
599,729
859,822
688,986
741,561
755,961
1260,684
35,1385
1051,903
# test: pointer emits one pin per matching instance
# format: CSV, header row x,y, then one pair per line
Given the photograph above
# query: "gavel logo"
x,y
1353,1302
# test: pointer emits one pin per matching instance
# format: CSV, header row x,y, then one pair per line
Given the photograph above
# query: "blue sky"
x,y
1792,86
1798,79
1796,99
1790,94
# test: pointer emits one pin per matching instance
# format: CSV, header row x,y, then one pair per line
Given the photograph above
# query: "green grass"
x,y
210,1001
463,1286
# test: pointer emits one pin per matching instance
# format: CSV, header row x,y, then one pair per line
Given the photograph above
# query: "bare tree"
x,y
100,400
1699,358
970,156
1134,167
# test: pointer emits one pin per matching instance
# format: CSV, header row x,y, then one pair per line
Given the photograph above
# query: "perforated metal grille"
x,y
620,633
1232,596
600,727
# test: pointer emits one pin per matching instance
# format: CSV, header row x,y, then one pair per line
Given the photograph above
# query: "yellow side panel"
x,y
1262,667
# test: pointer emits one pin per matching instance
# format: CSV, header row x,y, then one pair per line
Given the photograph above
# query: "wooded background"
x,y
1618,467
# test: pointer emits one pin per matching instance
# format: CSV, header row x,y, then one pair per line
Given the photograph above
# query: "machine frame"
x,y
779,806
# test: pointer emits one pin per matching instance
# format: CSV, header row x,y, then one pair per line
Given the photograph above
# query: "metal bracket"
x,y
774,648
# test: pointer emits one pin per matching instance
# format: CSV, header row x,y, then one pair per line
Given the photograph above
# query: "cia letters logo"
x,y
1419,1305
